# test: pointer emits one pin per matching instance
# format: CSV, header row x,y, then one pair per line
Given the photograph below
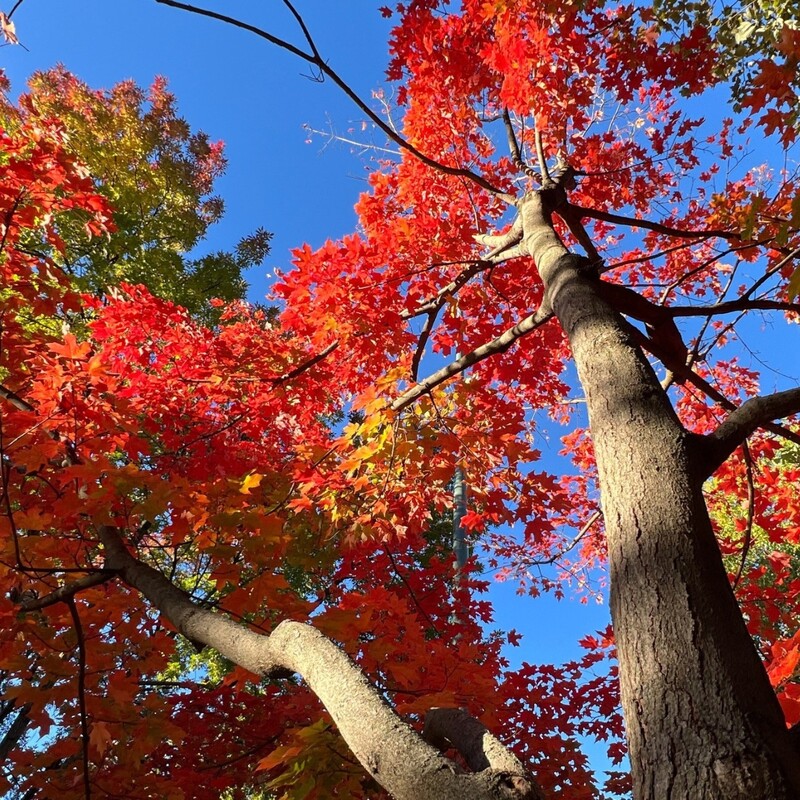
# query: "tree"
x,y
199,466
159,176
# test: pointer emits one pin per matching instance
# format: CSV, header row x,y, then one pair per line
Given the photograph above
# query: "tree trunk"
x,y
702,719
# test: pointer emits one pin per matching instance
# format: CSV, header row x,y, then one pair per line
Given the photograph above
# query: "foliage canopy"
x,y
160,452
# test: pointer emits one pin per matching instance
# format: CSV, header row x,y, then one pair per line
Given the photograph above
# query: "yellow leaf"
x,y
250,482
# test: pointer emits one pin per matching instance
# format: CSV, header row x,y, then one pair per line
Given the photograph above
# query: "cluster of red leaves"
x,y
219,452
775,88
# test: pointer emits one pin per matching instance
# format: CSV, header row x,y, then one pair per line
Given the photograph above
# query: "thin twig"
x,y
410,590
324,68
730,307
76,620
667,230
751,504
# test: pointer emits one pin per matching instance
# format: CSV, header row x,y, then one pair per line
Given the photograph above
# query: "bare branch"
x,y
788,256
500,242
513,146
68,591
742,421
15,399
547,181
15,731
14,8
435,303
306,365
667,230
730,307
81,645
751,507
430,321
580,233
498,345
316,60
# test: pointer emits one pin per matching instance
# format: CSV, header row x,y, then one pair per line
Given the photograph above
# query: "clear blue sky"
x,y
252,96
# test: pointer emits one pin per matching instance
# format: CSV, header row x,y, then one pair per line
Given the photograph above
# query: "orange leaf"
x,y
100,738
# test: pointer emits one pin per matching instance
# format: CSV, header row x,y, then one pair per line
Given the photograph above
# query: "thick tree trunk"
x,y
702,718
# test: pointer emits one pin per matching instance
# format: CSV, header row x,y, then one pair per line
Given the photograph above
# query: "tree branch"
x,y
68,591
15,399
306,365
390,751
513,145
730,307
81,646
498,345
424,335
445,727
15,731
435,303
316,60
667,230
742,421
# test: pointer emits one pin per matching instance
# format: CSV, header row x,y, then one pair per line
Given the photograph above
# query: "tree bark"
x,y
702,719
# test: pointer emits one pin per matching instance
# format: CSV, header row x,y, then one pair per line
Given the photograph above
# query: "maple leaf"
x,y
250,482
100,738
140,438
71,348
8,29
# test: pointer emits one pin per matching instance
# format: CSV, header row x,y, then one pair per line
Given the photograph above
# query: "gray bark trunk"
x,y
388,748
702,719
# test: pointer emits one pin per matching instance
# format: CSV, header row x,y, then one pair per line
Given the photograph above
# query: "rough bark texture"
x,y
390,750
702,718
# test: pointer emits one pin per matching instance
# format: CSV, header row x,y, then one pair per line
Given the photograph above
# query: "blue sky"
x,y
255,98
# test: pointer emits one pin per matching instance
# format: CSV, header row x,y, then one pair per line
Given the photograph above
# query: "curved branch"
x,y
742,421
445,727
316,60
388,749
632,222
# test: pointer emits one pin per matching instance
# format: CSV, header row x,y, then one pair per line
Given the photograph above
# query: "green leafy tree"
x,y
157,174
